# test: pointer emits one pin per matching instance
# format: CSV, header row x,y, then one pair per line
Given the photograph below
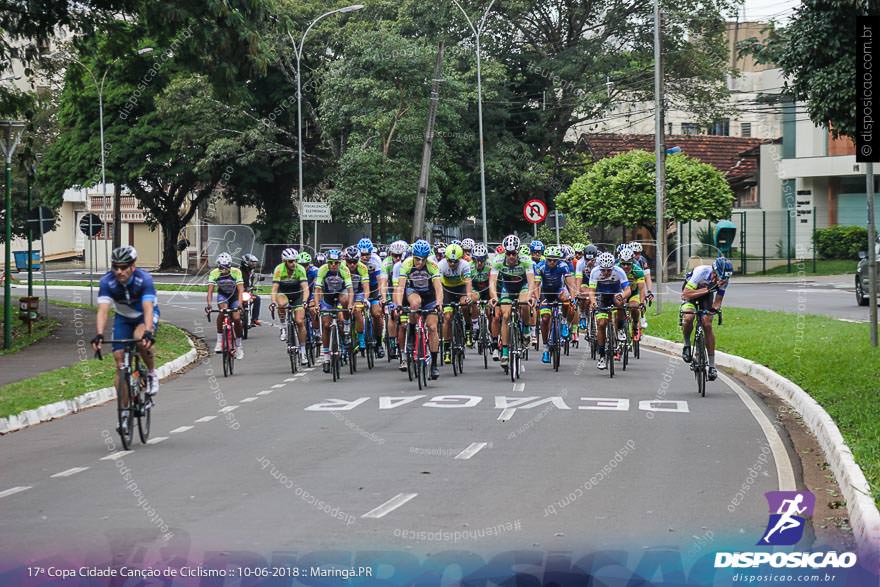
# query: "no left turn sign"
x,y
535,211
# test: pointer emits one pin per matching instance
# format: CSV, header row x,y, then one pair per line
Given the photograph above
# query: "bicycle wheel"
x,y
700,363
227,370
231,346
144,410
245,321
352,357
424,372
610,343
126,424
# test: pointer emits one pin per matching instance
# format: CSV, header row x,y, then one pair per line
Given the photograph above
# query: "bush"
x,y
840,242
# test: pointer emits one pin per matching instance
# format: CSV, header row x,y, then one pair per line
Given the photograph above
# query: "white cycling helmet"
x,y
397,248
567,252
290,254
625,255
480,251
636,246
605,260
224,260
468,244
511,243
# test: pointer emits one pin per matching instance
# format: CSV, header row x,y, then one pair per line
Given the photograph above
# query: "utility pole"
x,y
418,229
117,215
660,166
872,255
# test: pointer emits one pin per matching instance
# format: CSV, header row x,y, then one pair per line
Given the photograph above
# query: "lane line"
x,y
265,392
247,400
517,387
181,429
117,455
157,440
390,505
14,490
205,419
506,414
69,472
278,385
470,451
227,409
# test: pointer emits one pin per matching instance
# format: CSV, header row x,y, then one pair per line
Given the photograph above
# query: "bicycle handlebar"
x,y
100,356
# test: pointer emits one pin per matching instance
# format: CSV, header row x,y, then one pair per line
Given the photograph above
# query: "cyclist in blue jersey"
x,y
378,290
555,281
609,288
137,311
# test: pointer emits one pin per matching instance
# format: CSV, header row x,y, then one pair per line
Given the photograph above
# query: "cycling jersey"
x,y
614,283
512,278
375,269
311,275
635,275
584,268
129,297
335,282
480,277
226,284
420,280
643,263
552,280
701,277
289,280
454,276
359,277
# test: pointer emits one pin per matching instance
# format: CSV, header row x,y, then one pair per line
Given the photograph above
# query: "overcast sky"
x,y
781,10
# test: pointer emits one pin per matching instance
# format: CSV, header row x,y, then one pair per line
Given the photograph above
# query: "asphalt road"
x,y
568,460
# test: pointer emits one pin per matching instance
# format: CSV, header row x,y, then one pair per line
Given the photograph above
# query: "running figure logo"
x,y
787,517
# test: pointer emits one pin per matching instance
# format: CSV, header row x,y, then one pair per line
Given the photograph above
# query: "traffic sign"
x,y
316,211
41,220
90,225
535,211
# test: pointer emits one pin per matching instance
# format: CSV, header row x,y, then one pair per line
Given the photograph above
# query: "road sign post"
x,y
40,221
90,225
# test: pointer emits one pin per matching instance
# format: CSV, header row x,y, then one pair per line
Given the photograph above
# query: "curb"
x,y
863,513
86,400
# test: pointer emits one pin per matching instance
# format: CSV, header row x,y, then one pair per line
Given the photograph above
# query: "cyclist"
x,y
480,270
636,246
360,285
248,267
311,274
320,259
536,251
333,289
582,280
578,254
554,280
517,284
290,287
439,251
230,287
378,290
704,288
391,267
636,278
132,292
467,245
420,281
455,275
609,282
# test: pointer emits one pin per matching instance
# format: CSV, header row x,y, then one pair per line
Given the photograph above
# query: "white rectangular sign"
x,y
316,211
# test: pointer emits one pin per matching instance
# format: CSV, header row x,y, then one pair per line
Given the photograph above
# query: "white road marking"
x,y
265,392
227,409
506,414
289,379
205,419
69,472
390,505
181,429
157,440
470,451
249,399
14,490
519,387
815,290
117,455
853,321
309,369
278,385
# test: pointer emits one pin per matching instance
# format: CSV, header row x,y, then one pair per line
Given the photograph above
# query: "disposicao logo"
x,y
787,517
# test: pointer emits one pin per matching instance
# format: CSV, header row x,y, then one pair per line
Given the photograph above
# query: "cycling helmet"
x,y
590,251
125,254
305,258
224,260
440,251
352,253
481,253
626,255
620,247
553,252
536,246
251,260
454,252
439,245
421,248
383,254
605,261
468,244
500,249
289,254
365,244
397,248
636,246
334,255
567,251
524,250
455,242
320,259
510,243
722,268
578,247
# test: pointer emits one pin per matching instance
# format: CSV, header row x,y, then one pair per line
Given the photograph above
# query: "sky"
x,y
766,9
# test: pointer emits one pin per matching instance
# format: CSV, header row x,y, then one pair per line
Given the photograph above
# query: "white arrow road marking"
x,y
14,490
470,451
69,472
390,505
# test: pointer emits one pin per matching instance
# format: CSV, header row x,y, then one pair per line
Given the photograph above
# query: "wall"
x,y
769,182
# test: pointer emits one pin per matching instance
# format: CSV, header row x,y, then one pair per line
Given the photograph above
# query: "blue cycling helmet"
x,y
722,268
334,255
536,246
421,248
365,244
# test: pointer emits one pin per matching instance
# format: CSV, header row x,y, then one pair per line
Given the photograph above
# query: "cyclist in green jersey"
x,y
512,280
636,277
230,287
290,289
360,285
333,290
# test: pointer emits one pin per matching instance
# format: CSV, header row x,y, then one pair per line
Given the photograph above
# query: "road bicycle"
x,y
369,350
611,342
484,337
700,354
227,353
590,332
336,341
132,401
457,344
517,345
554,334
418,358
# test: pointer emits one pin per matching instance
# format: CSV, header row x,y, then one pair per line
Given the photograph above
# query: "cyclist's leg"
x,y
255,308
635,313
525,311
378,321
299,316
235,305
546,313
122,328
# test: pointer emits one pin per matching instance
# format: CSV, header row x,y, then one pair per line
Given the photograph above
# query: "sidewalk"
x,y
59,349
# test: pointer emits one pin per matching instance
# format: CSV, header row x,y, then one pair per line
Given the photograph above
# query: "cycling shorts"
x,y
124,328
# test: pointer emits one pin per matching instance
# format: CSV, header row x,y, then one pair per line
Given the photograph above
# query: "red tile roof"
x,y
735,157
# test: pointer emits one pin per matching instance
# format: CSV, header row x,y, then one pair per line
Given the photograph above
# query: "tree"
x,y
574,231
619,191
817,53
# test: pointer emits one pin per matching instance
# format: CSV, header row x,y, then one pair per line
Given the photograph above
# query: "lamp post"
x,y
11,133
660,174
477,32
100,87
298,52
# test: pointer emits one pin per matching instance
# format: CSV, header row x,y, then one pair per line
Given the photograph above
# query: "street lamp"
x,y
11,133
477,32
100,88
298,52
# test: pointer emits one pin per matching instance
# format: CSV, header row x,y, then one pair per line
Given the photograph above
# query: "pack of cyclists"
x,y
362,285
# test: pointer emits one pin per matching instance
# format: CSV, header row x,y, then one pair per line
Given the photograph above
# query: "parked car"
x,y
862,279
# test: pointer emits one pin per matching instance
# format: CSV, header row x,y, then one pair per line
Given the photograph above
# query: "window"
x,y
690,128
745,129
720,127
669,128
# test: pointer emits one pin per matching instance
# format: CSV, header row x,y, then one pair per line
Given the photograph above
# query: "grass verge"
x,y
159,286
831,360
823,267
20,337
86,375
